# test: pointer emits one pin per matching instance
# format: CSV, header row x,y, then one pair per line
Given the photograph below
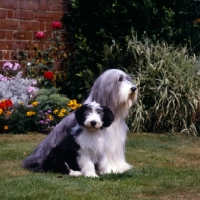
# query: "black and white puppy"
x,y
83,150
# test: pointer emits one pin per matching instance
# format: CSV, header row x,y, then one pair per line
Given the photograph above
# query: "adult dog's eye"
x,y
120,79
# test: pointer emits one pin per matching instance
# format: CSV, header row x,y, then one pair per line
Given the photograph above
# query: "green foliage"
x,y
101,22
23,119
51,99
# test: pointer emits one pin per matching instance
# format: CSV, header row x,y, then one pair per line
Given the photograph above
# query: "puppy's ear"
x,y
108,116
80,114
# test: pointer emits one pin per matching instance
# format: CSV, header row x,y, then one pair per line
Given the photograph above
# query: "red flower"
x,y
5,104
8,103
48,75
39,35
56,25
2,105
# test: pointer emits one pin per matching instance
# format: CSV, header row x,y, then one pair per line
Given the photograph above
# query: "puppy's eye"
x,y
120,79
99,111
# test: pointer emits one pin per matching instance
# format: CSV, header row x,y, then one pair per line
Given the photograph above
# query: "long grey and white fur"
x,y
113,89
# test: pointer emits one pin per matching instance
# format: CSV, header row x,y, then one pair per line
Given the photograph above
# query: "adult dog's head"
x,y
114,89
94,116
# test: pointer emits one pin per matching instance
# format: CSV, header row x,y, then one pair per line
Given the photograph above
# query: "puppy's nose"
x,y
133,89
93,123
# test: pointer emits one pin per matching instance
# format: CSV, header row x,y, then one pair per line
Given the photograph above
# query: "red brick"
x,y
29,25
27,5
6,55
41,15
23,14
2,14
36,6
57,16
2,34
8,45
42,26
55,6
9,35
49,26
43,6
9,14
22,35
10,4
23,44
1,55
9,25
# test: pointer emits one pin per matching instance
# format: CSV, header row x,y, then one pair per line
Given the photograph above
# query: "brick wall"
x,y
21,19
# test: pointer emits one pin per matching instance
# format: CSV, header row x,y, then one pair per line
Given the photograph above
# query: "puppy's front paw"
x,y
91,175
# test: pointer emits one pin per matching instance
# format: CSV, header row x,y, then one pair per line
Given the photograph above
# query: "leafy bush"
x,y
168,80
50,99
100,22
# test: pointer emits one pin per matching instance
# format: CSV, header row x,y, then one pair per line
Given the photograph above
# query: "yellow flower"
x,y
72,102
55,111
50,117
60,114
73,107
30,113
5,127
35,103
21,103
1,111
8,113
63,110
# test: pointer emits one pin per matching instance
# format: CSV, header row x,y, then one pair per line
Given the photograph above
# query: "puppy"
x,y
82,152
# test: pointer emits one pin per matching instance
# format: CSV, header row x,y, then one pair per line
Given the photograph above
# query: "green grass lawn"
x,y
166,167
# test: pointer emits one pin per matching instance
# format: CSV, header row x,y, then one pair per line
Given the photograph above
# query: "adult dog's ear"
x,y
80,114
108,116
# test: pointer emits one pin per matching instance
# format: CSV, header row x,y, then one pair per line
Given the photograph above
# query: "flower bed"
x,y
29,96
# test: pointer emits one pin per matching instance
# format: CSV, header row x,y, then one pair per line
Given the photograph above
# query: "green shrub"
x,y
168,80
100,22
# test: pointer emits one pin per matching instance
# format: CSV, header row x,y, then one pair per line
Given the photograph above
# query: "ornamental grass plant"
x,y
168,81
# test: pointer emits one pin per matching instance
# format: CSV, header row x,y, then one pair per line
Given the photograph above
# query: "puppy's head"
x,y
94,116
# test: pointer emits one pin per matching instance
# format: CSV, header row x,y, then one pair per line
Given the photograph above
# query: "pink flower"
x,y
39,35
3,78
34,82
56,25
7,64
16,66
31,89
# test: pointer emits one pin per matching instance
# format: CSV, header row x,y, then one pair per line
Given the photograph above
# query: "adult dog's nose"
x,y
133,89
93,123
